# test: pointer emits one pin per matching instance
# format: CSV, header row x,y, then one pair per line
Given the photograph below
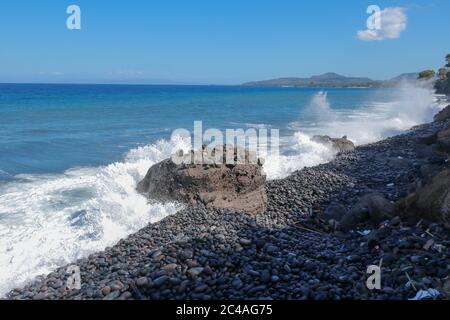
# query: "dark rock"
x,y
275,278
429,171
265,276
240,186
339,144
443,140
194,272
443,115
257,289
126,295
41,296
160,281
432,202
106,290
186,254
143,281
335,212
200,288
271,248
427,138
116,285
398,163
112,296
373,207
245,242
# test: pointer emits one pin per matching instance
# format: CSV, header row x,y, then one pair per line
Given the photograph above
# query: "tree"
x,y
443,74
426,74
442,85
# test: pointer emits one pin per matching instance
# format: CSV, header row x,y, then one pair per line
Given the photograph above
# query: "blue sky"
x,y
212,41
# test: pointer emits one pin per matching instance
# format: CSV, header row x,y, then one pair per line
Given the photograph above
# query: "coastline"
x,y
289,252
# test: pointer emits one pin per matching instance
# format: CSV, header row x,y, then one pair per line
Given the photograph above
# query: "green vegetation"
x,y
427,74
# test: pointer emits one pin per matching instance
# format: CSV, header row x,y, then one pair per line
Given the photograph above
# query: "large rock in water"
x,y
339,144
234,186
432,202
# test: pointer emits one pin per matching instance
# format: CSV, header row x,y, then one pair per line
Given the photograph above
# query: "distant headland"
x,y
332,79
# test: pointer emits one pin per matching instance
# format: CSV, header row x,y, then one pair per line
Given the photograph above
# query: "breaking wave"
x,y
407,106
51,220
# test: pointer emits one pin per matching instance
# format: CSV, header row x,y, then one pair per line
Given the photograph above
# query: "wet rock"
x,y
443,115
239,186
339,144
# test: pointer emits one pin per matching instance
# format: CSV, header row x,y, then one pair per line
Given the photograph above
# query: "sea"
x,y
71,155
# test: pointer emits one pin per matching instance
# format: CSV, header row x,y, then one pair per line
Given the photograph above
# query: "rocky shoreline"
x,y
294,250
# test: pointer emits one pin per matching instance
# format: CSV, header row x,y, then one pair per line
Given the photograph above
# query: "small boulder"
x,y
335,212
339,144
443,140
432,202
429,170
372,208
443,115
427,138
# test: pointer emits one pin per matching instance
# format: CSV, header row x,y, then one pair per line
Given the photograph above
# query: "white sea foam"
x,y
299,152
51,220
409,105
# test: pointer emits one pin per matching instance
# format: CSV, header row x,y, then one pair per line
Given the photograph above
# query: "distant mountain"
x,y
328,79
332,79
405,77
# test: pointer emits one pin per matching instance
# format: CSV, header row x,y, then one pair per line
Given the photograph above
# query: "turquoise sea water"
x,y
51,128
71,155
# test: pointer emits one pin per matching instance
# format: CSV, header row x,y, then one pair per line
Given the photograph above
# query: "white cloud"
x,y
392,23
